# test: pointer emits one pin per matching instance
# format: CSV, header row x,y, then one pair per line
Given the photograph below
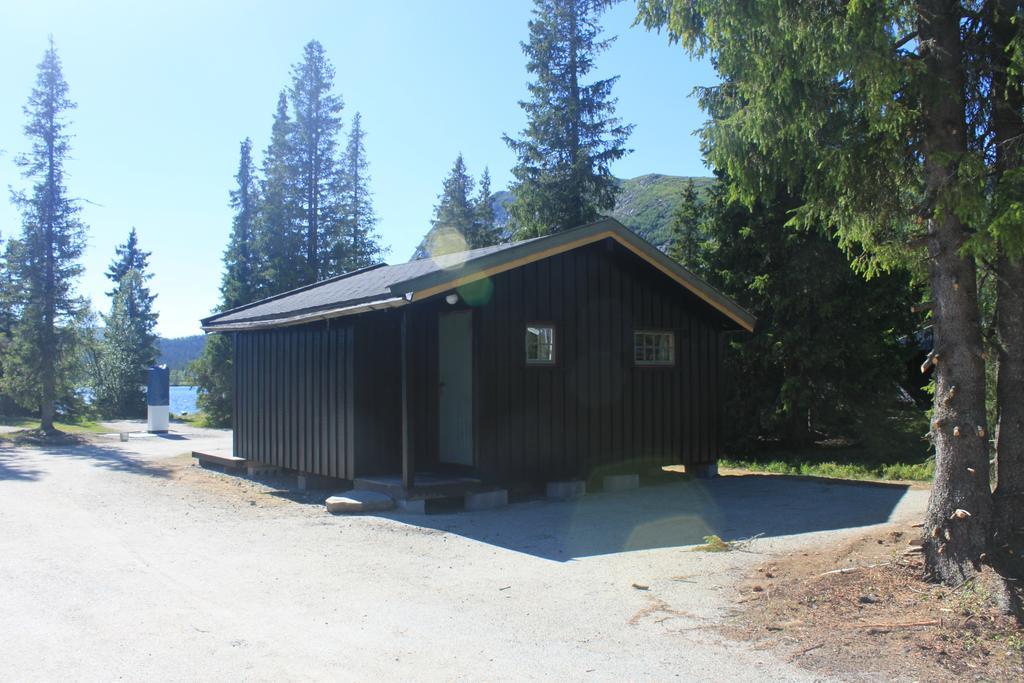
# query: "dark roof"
x,y
384,286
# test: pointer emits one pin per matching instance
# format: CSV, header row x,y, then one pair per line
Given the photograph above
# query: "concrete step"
x,y
426,486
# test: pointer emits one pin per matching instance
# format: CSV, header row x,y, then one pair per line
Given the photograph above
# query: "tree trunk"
x,y
1008,500
1007,542
959,508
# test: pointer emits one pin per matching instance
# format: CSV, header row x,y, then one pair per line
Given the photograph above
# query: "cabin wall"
x,y
294,398
594,409
378,394
326,398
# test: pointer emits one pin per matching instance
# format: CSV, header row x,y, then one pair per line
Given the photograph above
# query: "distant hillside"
x,y
644,205
178,352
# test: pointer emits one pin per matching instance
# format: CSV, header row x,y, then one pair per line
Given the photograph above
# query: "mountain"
x,y
644,205
176,353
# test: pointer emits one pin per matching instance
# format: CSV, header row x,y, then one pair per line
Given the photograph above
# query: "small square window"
x,y
654,348
540,344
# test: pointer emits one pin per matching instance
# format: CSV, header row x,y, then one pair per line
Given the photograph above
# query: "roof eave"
x,y
301,319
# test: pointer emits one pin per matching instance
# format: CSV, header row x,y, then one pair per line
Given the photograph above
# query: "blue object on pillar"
x,y
158,388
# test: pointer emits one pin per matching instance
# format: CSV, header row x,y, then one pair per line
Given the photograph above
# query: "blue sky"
x,y
166,90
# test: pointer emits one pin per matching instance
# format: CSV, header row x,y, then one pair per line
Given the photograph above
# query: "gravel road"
x,y
123,560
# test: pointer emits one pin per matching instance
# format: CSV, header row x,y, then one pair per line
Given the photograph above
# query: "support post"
x,y
408,464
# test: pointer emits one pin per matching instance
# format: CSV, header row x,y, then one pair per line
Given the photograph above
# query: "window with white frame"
x,y
540,344
653,347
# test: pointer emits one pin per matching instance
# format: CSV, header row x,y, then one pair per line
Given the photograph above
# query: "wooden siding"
x,y
594,409
325,399
294,390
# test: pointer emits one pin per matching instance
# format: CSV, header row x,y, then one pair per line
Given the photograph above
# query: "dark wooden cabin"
x,y
550,358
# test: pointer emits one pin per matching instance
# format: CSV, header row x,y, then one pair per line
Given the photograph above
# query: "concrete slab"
x,y
621,482
566,490
487,500
359,501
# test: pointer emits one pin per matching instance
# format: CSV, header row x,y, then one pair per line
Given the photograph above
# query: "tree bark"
x,y
959,509
1007,541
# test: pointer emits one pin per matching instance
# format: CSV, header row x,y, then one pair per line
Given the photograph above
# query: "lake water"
x,y
183,400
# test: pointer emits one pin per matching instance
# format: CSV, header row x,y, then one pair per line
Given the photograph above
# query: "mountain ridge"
x,y
644,204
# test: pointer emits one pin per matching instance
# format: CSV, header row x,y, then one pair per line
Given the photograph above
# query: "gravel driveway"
x,y
122,560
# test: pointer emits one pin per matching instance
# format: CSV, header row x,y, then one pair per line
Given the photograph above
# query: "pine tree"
x,y
313,139
455,215
278,233
126,350
239,283
127,344
212,371
485,230
873,114
687,229
360,245
9,314
43,345
563,175
128,256
1005,89
798,385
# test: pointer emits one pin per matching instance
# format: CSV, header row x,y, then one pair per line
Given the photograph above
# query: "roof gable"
x,y
391,286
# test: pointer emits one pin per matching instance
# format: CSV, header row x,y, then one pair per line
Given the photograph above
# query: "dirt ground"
x,y
124,560
861,607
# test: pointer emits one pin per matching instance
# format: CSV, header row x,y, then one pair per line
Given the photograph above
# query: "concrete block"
x,y
359,501
703,471
566,490
417,506
621,482
487,500
312,482
259,469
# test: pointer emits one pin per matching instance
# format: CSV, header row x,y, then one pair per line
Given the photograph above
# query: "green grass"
x,y
892,448
713,544
797,463
77,427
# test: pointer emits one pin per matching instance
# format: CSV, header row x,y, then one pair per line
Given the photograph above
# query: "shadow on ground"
x,y
14,466
22,463
671,515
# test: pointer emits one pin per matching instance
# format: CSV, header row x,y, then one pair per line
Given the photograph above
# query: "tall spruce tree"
x,y
127,257
686,231
1005,89
314,141
359,245
486,230
127,348
129,341
563,175
212,371
279,236
9,314
239,284
798,385
43,344
879,115
455,215
138,304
